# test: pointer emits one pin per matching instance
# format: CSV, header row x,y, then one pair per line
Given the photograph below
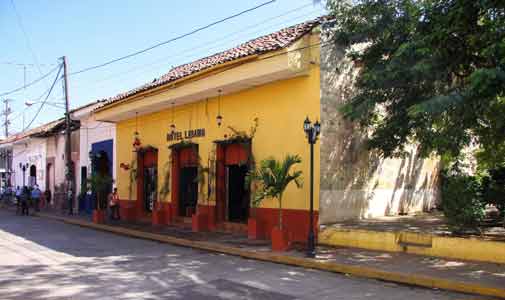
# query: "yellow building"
x,y
186,140
189,166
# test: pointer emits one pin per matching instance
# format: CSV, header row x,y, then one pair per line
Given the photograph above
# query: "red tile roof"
x,y
37,131
267,43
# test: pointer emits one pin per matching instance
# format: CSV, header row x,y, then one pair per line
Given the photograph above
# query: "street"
x,y
44,259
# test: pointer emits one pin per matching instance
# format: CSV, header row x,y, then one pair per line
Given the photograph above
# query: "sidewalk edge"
x,y
359,271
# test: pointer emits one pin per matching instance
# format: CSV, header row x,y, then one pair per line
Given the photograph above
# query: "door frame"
x,y
229,152
182,155
143,160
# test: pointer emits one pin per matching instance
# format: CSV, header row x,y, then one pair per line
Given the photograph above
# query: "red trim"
x,y
236,154
147,158
220,184
226,154
185,157
295,221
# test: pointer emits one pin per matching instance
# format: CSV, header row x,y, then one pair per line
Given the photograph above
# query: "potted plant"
x,y
100,186
272,178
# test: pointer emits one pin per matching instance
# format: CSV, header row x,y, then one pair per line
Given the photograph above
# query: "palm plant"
x,y
272,178
100,185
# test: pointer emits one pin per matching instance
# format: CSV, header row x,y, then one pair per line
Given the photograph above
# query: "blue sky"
x,y
94,31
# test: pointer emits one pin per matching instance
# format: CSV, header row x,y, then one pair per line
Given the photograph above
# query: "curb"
x,y
359,271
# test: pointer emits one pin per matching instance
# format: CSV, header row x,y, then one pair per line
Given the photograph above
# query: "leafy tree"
x,y
273,177
432,72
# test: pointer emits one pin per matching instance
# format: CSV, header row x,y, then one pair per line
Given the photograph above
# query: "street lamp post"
x,y
23,168
312,132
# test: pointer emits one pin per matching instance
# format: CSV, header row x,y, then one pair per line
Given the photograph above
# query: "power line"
x,y
44,102
29,84
27,38
24,65
172,39
184,53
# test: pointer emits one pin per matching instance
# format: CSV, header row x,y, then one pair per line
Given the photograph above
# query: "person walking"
x,y
36,194
25,199
114,205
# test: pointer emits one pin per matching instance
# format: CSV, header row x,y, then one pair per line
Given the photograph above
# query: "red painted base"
x,y
253,231
295,221
158,218
199,222
98,216
280,240
127,210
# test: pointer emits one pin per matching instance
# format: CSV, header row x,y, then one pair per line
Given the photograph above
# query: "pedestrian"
x,y
25,199
18,200
47,194
114,205
36,193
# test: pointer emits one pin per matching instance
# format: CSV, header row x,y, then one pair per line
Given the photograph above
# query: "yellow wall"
x,y
280,108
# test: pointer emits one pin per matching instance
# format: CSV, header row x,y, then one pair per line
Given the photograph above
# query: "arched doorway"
x,y
32,180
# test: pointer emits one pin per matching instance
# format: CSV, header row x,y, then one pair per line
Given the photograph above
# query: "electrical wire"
x,y
44,102
172,39
27,38
204,46
29,84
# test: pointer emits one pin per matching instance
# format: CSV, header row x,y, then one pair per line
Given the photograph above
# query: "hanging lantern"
x,y
136,135
219,118
136,141
172,126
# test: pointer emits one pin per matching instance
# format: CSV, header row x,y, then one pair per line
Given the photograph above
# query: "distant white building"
x,y
96,139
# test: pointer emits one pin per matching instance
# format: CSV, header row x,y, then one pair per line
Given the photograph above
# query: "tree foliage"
x,y
433,71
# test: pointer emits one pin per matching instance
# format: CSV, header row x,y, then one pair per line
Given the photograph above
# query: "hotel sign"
x,y
187,134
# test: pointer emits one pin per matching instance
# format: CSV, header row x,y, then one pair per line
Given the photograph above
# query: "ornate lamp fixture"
x,y
136,136
219,118
172,126
312,132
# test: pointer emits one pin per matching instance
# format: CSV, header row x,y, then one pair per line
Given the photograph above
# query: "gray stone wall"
x,y
357,183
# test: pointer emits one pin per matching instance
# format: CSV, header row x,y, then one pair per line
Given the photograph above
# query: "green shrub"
x,y
462,202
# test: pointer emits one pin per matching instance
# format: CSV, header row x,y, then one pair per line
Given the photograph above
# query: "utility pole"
x,y
6,153
68,144
7,111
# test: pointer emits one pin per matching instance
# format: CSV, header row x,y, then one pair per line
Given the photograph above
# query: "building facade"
x,y
96,141
186,141
262,98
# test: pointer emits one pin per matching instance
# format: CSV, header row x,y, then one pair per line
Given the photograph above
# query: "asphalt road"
x,y
44,259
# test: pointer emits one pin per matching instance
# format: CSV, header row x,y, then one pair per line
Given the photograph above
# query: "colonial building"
x,y
96,140
186,140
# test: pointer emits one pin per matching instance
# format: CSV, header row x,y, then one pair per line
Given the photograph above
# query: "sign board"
x,y
187,134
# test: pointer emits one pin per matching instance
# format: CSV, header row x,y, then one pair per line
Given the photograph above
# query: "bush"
x,y
462,202
493,189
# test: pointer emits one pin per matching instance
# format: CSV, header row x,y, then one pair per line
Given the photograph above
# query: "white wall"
x,y
33,152
91,132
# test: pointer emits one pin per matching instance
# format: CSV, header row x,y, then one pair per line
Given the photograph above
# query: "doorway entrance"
x,y
188,195
184,181
232,194
238,195
150,187
32,180
147,183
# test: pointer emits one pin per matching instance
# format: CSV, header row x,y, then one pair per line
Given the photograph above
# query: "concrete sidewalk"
x,y
486,279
